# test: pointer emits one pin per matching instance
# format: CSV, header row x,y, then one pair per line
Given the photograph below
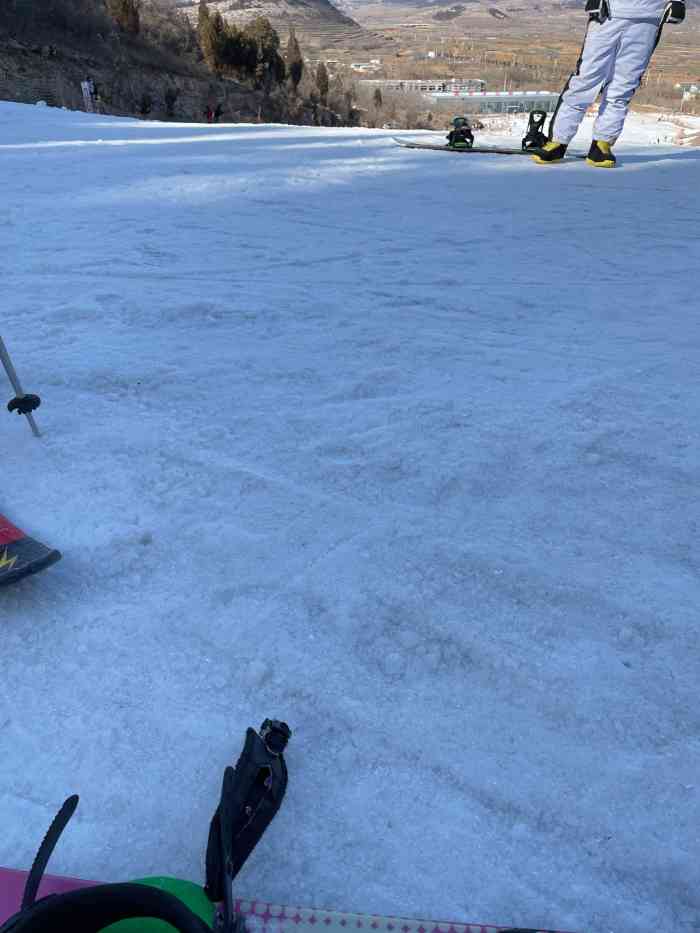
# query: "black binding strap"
x,y
48,844
535,137
251,795
89,910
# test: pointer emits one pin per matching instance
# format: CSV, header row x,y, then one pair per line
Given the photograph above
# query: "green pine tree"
x,y
133,19
232,52
206,35
335,94
322,82
295,62
126,15
267,65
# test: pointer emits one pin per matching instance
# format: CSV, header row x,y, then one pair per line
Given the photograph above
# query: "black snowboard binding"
x,y
460,136
92,909
251,795
598,10
535,137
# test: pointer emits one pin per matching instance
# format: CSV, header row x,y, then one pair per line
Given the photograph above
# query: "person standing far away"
x,y
620,39
88,89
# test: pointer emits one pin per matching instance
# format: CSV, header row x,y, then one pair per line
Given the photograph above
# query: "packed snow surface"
x,y
398,446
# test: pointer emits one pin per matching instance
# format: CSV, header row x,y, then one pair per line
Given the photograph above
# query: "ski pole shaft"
x,y
14,380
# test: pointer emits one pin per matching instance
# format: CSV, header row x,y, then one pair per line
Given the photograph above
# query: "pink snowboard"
x,y
12,884
261,917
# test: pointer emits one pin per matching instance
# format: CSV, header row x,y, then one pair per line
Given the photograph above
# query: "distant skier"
x,y
218,112
619,42
88,89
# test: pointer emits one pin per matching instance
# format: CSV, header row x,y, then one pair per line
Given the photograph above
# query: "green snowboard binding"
x,y
251,795
461,135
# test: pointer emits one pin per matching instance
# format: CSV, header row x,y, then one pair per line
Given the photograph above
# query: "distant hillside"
x,y
315,21
510,7
156,69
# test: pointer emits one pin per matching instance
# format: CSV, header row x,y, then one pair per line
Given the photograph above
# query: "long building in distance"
x,y
426,85
471,94
502,101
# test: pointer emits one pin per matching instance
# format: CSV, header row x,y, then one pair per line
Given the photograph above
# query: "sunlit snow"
x,y
399,446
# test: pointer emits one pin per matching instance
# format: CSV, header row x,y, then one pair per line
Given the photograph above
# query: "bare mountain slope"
x,y
315,21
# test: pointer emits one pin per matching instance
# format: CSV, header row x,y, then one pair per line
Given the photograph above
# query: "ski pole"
x,y
22,404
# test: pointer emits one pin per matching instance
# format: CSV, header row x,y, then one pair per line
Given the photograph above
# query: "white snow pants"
x,y
615,56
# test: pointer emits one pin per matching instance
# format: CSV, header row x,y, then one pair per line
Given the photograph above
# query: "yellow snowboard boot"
x,y
552,151
600,155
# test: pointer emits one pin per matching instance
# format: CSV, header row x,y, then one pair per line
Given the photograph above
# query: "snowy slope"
x,y
399,446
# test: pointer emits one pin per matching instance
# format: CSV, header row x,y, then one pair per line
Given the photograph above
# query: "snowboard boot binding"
x,y
601,155
251,795
460,136
99,906
552,151
535,137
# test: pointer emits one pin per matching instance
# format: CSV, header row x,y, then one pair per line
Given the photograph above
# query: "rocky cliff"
x,y
129,83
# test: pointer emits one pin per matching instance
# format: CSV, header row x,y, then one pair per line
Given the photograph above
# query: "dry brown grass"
x,y
529,53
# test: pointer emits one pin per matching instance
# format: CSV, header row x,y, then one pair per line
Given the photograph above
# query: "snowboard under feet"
x,y
480,150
